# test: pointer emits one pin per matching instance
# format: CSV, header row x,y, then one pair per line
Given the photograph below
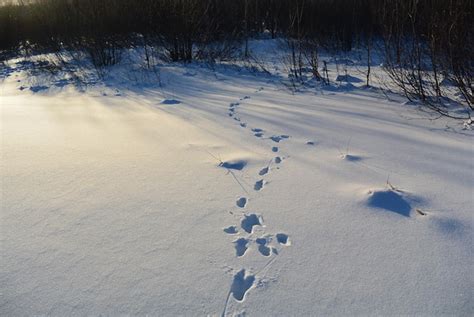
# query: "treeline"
x,y
178,23
424,41
183,23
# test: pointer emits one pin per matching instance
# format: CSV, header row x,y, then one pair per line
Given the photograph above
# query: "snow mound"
x,y
390,200
348,79
234,165
170,102
38,88
351,157
447,82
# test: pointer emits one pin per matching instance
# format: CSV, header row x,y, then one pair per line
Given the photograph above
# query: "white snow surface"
x,y
159,201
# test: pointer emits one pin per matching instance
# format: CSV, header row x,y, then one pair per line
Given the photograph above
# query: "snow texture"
x,y
115,203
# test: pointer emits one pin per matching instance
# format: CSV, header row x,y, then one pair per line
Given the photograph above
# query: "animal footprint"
x,y
231,230
263,171
241,285
283,238
275,138
259,185
249,221
259,134
241,202
262,246
275,149
278,138
241,246
277,160
243,124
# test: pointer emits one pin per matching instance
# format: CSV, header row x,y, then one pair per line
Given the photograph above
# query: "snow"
x,y
348,79
293,203
170,102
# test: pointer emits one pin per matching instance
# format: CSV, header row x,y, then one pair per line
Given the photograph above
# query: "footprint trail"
x,y
267,245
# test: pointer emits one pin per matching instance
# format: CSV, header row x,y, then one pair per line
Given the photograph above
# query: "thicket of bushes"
x,y
424,41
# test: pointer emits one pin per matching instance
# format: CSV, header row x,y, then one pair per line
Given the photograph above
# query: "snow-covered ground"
x,y
221,192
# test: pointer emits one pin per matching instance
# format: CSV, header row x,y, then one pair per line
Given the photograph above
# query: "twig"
x,y
421,212
221,163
